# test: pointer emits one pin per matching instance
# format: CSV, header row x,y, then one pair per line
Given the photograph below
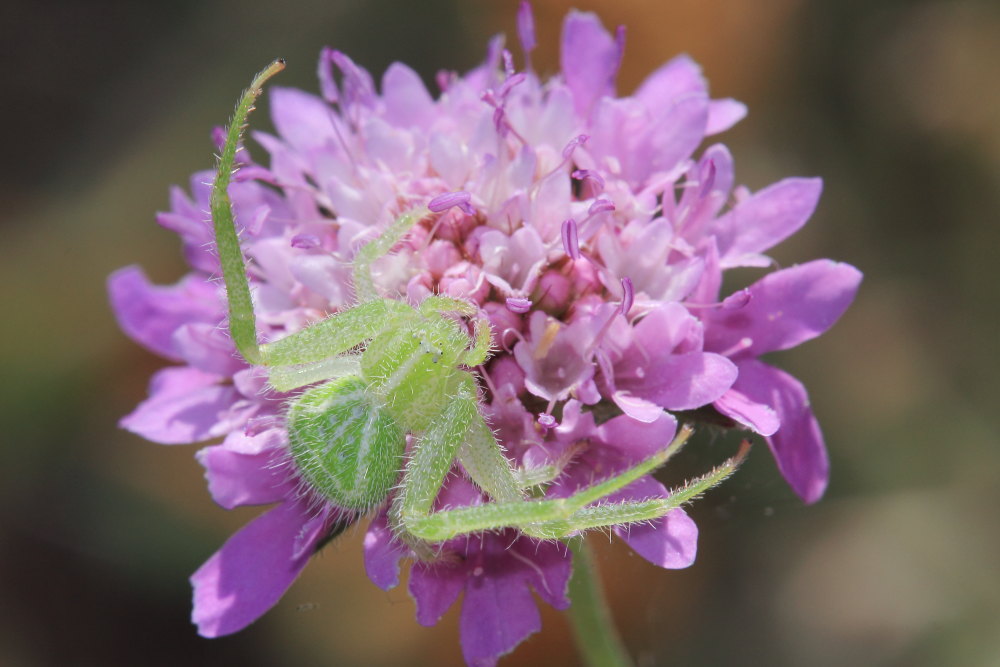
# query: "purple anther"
x,y
508,63
526,27
490,97
601,206
519,305
707,179
305,241
509,84
578,140
460,199
571,242
628,295
737,300
595,178
500,121
545,420
327,85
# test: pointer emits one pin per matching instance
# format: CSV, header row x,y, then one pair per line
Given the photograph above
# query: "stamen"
x,y
526,30
578,140
737,300
508,63
628,295
518,305
743,344
707,179
591,176
508,85
601,206
571,242
447,200
547,421
305,241
327,86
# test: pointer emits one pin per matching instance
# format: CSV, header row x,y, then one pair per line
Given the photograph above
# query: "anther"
x,y
518,305
526,29
305,241
707,178
571,242
628,295
737,300
601,206
447,200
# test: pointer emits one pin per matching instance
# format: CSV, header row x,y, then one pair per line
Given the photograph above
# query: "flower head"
x,y
587,230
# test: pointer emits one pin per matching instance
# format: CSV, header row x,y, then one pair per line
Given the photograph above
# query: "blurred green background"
x,y
895,104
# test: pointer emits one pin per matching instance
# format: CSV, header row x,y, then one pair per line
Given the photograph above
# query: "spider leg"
x,y
364,285
555,518
337,333
242,325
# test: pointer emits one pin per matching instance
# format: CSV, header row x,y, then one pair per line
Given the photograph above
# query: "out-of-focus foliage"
x,y
894,104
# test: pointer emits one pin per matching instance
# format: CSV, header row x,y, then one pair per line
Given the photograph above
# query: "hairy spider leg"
x,y
545,518
242,325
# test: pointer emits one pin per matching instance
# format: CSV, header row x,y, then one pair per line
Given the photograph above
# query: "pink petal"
x,y
757,416
150,314
407,102
679,76
723,114
435,587
798,445
184,406
589,58
208,347
786,308
637,440
683,381
637,408
382,554
251,572
767,218
670,541
303,120
236,479
497,615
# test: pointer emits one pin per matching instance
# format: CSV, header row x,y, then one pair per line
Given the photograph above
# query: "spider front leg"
x,y
561,517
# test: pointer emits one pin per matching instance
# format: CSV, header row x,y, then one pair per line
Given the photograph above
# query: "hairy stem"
x,y
597,639
242,324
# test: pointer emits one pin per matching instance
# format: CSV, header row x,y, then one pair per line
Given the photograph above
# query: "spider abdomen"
x,y
344,443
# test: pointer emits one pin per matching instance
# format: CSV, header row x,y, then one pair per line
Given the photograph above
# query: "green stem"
x,y
597,640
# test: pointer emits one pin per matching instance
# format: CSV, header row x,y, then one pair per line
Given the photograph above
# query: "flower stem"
x,y
597,639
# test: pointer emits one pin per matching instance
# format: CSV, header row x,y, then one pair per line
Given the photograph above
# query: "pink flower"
x,y
591,236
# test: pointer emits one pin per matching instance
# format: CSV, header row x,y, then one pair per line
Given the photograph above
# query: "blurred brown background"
x,y
104,104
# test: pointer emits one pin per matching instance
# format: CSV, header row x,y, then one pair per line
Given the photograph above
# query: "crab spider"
x,y
376,372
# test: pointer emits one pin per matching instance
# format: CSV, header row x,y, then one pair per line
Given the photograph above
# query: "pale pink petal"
x,y
407,102
590,59
723,114
766,218
150,314
236,479
184,406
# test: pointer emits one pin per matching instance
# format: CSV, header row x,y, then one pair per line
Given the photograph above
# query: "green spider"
x,y
347,430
